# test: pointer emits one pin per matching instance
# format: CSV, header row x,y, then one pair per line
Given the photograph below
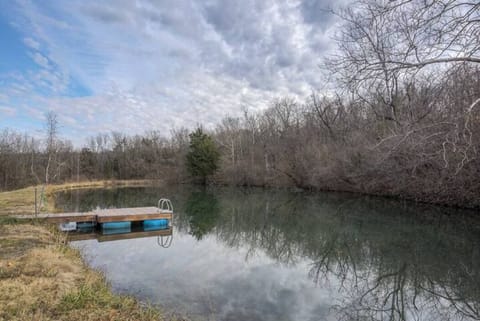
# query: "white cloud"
x,y
159,107
151,65
40,60
31,43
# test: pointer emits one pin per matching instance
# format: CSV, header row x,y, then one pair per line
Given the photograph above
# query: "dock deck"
x,y
131,214
106,215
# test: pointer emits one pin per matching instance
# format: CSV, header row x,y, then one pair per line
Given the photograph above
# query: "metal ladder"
x,y
164,205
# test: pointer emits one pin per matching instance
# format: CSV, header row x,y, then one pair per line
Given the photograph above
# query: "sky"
x,y
134,66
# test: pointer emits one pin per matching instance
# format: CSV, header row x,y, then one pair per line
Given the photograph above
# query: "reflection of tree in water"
x,y
390,264
203,212
404,293
403,270
87,200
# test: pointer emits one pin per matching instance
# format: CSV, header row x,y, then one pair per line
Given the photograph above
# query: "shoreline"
x,y
390,196
22,201
43,278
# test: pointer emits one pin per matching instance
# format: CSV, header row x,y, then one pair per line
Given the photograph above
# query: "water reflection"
x,y
266,255
202,211
164,235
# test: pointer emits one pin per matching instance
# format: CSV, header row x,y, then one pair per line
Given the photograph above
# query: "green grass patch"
x,y
8,220
87,296
98,297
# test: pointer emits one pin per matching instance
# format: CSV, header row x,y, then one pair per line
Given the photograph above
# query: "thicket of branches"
x,y
404,119
342,144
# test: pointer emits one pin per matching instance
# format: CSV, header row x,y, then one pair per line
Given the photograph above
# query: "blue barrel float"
x,y
116,227
85,226
152,225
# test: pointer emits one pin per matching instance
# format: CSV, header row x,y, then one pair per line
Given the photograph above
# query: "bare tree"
x,y
51,128
383,43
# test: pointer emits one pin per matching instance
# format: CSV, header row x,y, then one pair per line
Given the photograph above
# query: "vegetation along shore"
x,y
42,278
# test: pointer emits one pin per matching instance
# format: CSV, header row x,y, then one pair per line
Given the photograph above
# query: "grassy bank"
x,y
22,201
42,278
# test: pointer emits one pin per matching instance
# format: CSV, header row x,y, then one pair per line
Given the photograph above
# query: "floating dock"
x,y
105,217
133,214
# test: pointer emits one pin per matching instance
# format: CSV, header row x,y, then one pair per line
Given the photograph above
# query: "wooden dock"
x,y
133,214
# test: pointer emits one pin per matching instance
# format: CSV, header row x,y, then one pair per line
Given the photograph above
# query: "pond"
x,y
255,254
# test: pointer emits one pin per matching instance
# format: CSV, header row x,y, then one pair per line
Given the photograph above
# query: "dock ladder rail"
x,y
164,205
165,242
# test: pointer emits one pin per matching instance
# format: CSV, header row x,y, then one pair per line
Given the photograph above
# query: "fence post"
x,y
36,208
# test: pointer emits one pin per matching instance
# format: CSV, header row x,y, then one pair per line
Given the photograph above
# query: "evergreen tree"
x,y
203,156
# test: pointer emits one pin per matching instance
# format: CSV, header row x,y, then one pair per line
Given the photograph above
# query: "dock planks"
x,y
131,214
107,215
62,217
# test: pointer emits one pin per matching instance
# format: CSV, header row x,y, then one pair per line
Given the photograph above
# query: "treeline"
x,y
25,160
427,152
325,143
403,120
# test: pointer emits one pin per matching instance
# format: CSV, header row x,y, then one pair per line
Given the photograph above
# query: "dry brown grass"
x,y
43,279
22,201
15,240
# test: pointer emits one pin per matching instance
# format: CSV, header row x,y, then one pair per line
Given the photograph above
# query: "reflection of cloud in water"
x,y
271,293
273,255
209,278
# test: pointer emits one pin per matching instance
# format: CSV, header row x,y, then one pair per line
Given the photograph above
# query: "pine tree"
x,y
203,156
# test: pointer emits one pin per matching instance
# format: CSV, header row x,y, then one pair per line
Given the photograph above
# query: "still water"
x,y
254,254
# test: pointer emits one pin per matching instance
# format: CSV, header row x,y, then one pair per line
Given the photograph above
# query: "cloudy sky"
x,y
132,66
